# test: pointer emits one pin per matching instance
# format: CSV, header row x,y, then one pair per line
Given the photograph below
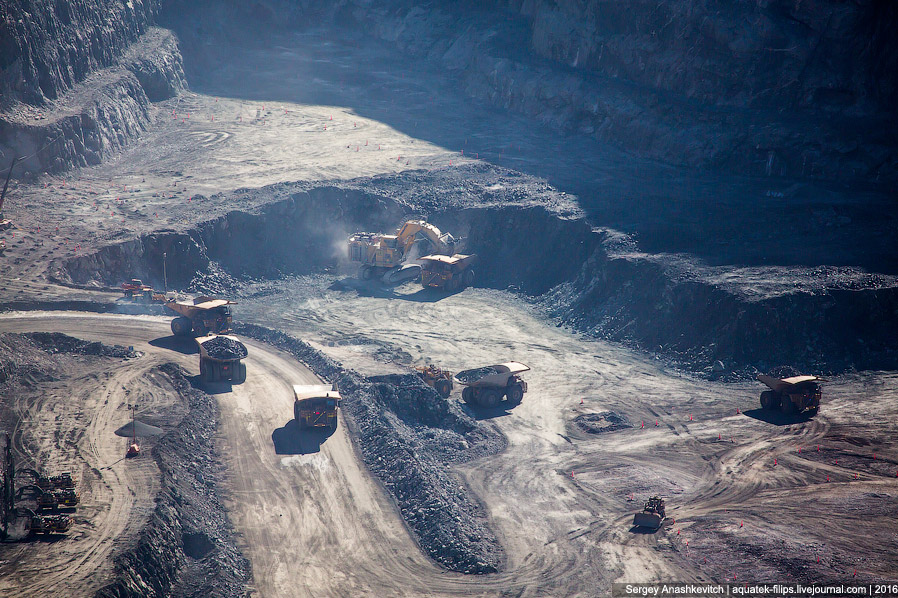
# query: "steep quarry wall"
x,y
821,55
46,48
595,280
771,88
76,79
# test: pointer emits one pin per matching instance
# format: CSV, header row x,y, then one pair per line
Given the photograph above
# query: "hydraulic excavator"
x,y
382,255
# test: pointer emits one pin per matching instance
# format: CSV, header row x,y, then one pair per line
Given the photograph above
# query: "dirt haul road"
x,y
312,524
749,494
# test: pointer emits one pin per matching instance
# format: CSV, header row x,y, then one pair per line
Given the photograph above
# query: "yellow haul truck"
x,y
201,316
315,406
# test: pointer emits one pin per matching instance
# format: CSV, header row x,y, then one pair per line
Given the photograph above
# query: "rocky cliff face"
x,y
46,48
77,78
793,88
820,55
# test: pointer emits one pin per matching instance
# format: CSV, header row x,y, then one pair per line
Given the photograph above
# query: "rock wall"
x,y
770,88
46,48
822,55
594,280
77,79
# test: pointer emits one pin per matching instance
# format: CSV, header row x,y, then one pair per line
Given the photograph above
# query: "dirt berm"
x,y
188,547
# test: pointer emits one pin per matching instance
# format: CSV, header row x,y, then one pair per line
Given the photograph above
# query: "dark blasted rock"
x,y
56,342
599,423
222,347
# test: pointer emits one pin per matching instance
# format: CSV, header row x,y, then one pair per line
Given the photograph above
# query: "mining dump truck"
x,y
135,286
791,395
382,255
315,406
220,359
447,272
487,386
652,515
201,316
439,379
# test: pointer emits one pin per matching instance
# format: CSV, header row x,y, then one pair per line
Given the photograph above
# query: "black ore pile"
x,y
221,347
56,342
471,376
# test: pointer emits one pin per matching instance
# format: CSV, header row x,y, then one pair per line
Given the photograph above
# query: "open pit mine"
x,y
385,298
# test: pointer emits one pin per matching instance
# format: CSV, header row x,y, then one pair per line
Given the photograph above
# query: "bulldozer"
x,y
792,395
439,379
449,273
652,515
201,316
382,255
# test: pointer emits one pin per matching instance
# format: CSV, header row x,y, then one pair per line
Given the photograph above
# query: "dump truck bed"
x,y
190,308
313,391
781,384
491,375
215,350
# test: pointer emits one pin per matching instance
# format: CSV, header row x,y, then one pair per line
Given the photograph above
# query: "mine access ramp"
x,y
315,406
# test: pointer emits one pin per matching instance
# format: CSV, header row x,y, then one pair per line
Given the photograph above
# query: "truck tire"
x,y
787,407
199,328
296,414
365,273
467,395
240,373
443,387
514,394
767,399
469,278
490,398
204,370
181,326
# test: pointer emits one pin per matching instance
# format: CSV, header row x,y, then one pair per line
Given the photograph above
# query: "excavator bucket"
x,y
646,519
